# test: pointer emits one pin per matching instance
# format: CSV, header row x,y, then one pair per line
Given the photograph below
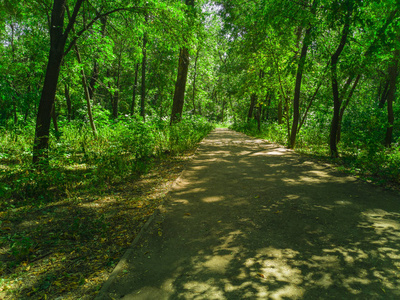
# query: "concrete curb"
x,y
102,295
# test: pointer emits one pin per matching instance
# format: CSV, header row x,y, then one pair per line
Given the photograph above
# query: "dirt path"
x,y
252,220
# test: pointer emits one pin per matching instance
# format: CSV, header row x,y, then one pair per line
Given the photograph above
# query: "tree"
x,y
58,49
334,80
393,72
299,77
180,85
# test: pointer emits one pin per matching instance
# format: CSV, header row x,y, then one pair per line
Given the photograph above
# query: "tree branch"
x,y
89,25
72,19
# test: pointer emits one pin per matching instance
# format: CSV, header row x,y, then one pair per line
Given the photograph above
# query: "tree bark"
x,y
344,106
96,71
280,112
115,100
393,72
253,99
134,90
180,86
258,117
143,88
297,89
57,44
309,106
383,96
194,81
58,49
335,88
58,39
267,109
86,92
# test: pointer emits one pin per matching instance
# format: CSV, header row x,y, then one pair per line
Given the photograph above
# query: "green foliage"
x,y
122,148
187,133
272,132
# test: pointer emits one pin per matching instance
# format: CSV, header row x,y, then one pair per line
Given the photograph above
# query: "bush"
x,y
122,148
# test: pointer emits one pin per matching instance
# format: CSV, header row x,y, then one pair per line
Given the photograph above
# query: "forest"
x,y
95,95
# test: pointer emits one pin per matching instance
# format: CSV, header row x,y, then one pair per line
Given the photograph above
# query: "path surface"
x,y
252,220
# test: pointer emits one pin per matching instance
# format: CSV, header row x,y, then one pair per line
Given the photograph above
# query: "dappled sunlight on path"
x,y
253,220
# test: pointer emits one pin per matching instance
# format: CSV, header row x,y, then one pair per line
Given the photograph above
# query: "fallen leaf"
x,y
188,214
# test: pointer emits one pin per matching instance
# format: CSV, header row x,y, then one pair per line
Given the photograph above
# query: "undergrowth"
x,y
121,148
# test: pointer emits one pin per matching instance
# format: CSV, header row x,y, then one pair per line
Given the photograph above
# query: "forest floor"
x,y
252,220
66,248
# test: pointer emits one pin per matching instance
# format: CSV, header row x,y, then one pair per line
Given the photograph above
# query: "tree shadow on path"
x,y
252,220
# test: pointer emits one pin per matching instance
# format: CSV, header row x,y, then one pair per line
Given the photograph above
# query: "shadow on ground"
x,y
251,220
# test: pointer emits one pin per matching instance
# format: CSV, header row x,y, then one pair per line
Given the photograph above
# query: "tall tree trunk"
x,y
194,81
344,106
280,112
86,92
96,70
269,99
180,85
116,93
393,72
297,89
93,79
57,44
335,88
143,90
258,117
253,99
58,38
41,143
309,106
384,94
115,104
134,90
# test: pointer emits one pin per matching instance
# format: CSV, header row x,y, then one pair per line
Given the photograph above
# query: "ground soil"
x,y
252,220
